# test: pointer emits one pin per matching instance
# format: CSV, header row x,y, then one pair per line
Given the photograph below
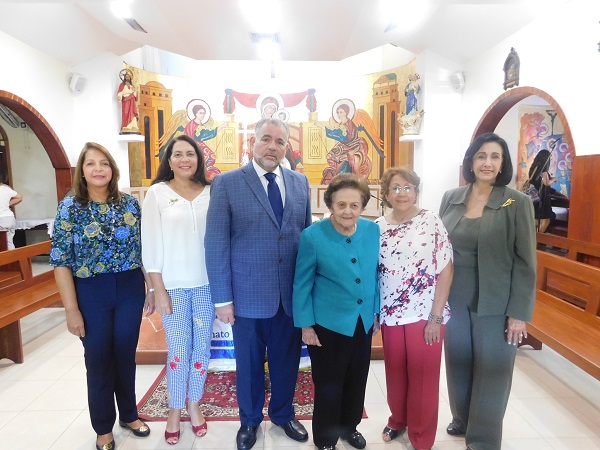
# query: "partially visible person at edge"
x,y
492,230
539,176
97,259
336,300
8,198
415,273
173,228
255,217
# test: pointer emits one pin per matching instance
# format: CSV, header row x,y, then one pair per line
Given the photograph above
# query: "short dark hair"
x,y
164,172
279,123
80,184
347,180
405,172
506,170
197,108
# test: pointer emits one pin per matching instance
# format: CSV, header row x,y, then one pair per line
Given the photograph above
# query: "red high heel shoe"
x,y
200,430
172,435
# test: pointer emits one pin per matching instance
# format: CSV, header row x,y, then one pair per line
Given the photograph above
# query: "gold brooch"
x,y
508,202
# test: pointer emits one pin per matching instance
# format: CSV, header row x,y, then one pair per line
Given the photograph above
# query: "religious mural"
x,y
350,138
541,129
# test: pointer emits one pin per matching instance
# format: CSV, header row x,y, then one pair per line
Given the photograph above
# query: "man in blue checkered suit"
x,y
250,259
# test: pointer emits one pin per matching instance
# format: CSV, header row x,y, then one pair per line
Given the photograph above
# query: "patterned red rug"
x,y
220,401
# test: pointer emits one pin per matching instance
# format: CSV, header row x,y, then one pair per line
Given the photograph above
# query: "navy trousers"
x,y
111,305
282,341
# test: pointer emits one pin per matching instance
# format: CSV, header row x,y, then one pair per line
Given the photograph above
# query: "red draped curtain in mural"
x,y
249,100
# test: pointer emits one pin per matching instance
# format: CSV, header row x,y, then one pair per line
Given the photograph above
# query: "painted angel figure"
x,y
348,126
200,127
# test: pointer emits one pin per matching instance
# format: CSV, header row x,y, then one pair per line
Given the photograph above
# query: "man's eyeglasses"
x,y
398,189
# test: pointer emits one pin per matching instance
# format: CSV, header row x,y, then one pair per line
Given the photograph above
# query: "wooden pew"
x,y
585,252
26,295
566,313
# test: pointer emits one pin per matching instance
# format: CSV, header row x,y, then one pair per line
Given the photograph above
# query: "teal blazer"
x,y
336,277
506,249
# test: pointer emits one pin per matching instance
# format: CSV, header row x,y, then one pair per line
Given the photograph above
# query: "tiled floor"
x,y
553,404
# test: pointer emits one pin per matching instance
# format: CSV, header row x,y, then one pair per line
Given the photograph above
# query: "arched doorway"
x,y
500,107
492,116
47,137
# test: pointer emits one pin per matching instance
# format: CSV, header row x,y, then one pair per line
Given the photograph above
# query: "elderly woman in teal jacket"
x,y
335,302
492,230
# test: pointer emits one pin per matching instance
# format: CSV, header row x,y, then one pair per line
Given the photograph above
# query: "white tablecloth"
x,y
26,224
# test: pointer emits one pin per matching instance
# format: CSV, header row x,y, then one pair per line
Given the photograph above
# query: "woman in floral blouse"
x,y
96,254
415,273
173,227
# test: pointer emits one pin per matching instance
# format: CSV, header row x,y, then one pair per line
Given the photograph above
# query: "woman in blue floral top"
x,y
96,254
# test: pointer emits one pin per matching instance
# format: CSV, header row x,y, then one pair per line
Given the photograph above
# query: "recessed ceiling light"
x,y
121,8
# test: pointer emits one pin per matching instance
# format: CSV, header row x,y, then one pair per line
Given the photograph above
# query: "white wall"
x,y
39,80
438,156
559,55
32,174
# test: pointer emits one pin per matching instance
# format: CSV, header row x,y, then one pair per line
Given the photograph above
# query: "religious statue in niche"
x,y
196,122
512,65
128,97
411,121
349,127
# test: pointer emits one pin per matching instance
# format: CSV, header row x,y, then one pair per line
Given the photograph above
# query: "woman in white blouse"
x,y
173,227
415,273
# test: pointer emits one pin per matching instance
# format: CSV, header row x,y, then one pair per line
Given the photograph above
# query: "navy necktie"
x,y
274,197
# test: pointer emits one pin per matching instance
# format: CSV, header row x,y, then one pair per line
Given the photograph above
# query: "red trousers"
x,y
412,373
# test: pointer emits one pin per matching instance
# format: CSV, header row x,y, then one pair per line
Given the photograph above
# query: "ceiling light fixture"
x,y
121,8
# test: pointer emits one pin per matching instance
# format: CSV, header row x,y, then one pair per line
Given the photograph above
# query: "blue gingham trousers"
x,y
189,331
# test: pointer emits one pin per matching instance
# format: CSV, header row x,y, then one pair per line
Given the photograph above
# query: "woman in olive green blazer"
x,y
492,230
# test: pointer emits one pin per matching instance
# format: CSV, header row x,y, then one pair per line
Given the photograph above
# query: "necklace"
x,y
104,227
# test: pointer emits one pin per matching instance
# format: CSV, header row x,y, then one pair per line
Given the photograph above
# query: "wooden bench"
x,y
567,308
585,252
22,297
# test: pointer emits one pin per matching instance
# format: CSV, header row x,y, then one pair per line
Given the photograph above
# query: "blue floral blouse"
x,y
97,238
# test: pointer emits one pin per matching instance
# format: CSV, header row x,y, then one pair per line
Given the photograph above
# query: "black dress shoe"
x,y
246,437
453,430
142,431
356,440
294,430
109,446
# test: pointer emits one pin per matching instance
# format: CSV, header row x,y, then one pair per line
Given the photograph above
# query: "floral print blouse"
x,y
411,257
97,238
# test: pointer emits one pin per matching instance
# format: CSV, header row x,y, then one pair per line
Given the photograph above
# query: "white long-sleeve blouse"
x,y
173,231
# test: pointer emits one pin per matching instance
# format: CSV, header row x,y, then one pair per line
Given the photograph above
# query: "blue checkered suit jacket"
x,y
250,260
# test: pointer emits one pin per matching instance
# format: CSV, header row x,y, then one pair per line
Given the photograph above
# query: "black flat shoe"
x,y
294,430
453,430
142,431
109,446
391,434
246,437
356,440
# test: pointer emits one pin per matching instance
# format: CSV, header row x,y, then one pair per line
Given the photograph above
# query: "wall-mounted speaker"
x,y
457,81
77,82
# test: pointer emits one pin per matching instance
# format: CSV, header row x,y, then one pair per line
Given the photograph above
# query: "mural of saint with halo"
x,y
196,122
349,127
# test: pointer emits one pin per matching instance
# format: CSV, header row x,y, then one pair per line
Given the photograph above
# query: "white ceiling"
x,y
74,31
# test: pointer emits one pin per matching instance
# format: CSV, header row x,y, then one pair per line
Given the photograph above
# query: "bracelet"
x,y
436,319
151,290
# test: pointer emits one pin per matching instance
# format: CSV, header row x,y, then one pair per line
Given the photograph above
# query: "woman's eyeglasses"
x,y
398,189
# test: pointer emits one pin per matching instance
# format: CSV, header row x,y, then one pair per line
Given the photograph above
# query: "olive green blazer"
x,y
506,249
